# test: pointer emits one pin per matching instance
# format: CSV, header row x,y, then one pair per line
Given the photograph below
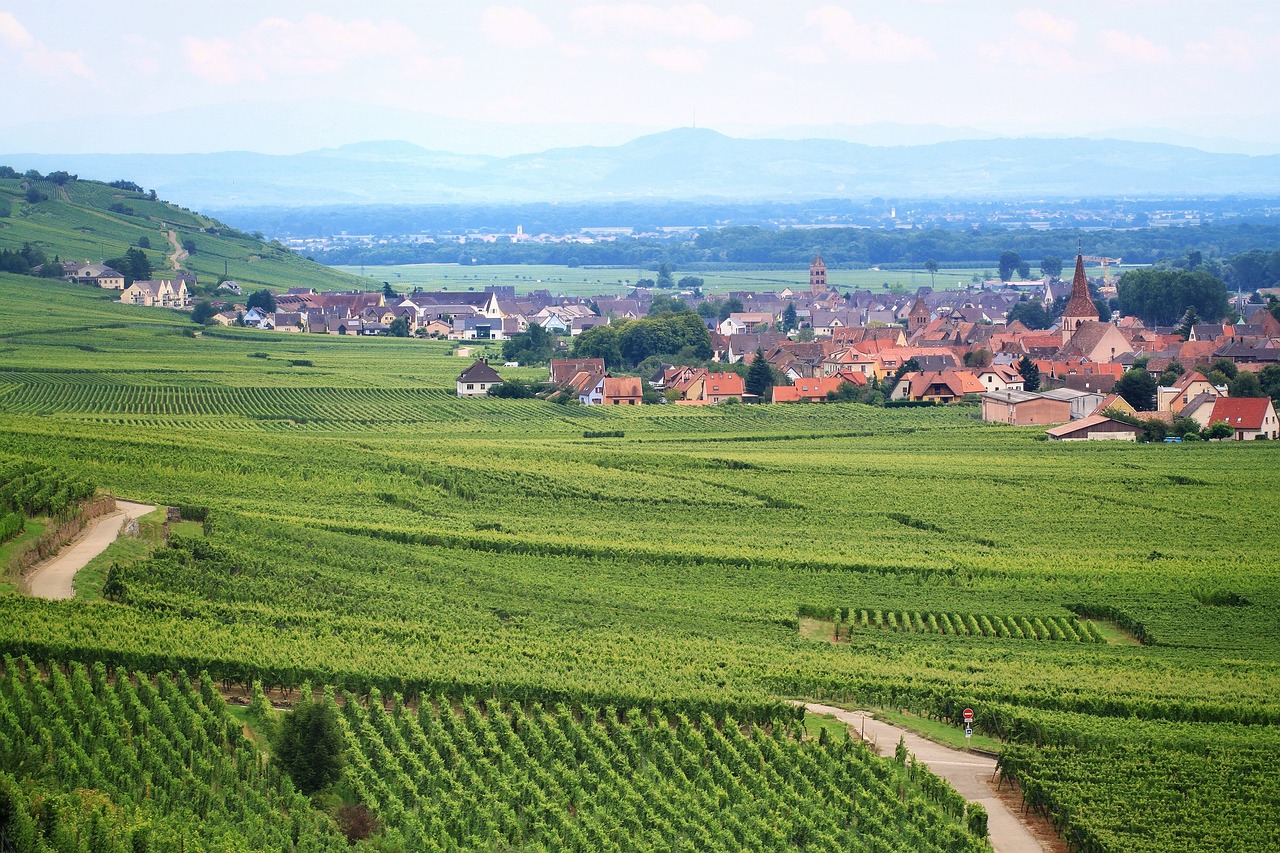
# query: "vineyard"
x,y
367,530
1063,628
112,761
498,775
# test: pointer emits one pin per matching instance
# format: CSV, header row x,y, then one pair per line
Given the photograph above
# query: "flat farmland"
x,y
369,531
617,281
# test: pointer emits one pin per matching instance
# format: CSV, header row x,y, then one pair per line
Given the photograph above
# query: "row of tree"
x,y
753,245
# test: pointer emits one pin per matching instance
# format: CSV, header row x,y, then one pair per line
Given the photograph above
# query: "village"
x,y
931,347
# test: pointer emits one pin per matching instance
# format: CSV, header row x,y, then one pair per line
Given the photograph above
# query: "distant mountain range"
x,y
682,164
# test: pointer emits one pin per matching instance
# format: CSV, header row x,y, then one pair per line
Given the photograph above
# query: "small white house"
x,y
477,379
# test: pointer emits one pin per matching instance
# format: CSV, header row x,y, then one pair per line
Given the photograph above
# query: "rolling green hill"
x,y
89,220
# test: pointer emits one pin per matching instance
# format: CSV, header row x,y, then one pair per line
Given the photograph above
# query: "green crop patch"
x,y
943,623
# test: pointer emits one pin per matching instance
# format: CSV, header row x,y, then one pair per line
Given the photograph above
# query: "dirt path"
x,y
53,578
179,254
971,775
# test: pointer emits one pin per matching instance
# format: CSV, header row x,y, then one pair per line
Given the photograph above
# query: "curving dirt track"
x,y
970,774
53,578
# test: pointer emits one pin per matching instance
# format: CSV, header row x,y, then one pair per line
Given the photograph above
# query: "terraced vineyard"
x,y
367,530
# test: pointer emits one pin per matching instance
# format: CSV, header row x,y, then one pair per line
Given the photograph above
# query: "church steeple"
x,y
1080,307
817,275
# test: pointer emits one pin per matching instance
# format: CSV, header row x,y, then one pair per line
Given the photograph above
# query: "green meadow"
x,y
524,599
618,281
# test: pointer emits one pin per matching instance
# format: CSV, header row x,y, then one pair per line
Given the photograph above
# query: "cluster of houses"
x,y
959,343
961,348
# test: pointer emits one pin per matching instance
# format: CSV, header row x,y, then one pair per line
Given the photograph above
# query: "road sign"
x,y
968,715
968,732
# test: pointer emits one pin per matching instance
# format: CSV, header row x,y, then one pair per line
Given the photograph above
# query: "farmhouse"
x,y
477,379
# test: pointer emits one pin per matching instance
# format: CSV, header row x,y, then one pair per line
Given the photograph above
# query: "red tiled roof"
x,y
1240,412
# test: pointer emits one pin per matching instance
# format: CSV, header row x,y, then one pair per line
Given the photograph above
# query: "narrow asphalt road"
x,y
53,578
971,775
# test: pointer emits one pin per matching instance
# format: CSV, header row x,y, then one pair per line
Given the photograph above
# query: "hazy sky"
x,y
284,76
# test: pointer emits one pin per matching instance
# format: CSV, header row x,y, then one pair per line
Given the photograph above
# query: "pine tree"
x,y
1030,373
760,377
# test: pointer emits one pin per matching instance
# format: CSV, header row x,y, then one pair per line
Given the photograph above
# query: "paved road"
x,y
969,774
52,578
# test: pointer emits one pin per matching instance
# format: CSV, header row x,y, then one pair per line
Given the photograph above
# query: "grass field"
x,y
77,223
593,281
368,529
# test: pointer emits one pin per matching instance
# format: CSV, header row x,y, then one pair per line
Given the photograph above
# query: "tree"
x,y
202,312
399,327
1189,319
1218,430
789,320
1031,314
144,242
601,342
1051,266
134,265
1138,388
664,276
666,304
1245,384
309,745
1009,261
1226,367
189,245
1030,373
760,376
263,300
690,282
534,346
1162,297
387,292
932,266
1024,270
34,196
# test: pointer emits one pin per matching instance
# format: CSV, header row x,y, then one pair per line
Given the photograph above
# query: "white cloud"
x,y
1040,23
866,41
38,57
317,44
694,21
1138,48
13,33
513,27
683,60
1225,48
806,54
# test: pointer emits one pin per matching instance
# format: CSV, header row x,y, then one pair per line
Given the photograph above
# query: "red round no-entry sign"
x,y
968,715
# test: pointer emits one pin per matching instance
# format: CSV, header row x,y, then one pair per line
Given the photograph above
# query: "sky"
x,y
501,78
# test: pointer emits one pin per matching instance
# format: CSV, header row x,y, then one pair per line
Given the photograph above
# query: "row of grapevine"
x,y
169,768
494,775
1059,628
35,489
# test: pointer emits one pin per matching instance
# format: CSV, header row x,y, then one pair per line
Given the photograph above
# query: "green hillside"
x,y
81,220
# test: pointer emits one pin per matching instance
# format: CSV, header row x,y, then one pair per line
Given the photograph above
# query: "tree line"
x,y
852,247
